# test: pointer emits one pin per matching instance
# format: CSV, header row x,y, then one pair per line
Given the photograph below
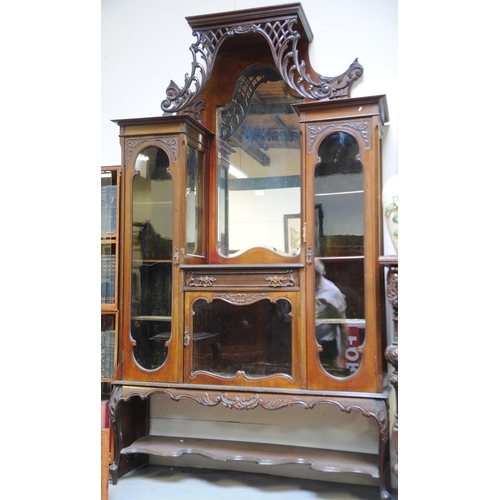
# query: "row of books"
x,y
107,353
108,276
108,209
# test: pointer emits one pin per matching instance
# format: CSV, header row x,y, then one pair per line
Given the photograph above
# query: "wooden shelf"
x,y
259,453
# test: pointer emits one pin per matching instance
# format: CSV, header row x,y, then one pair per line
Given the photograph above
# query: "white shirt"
x,y
330,304
330,301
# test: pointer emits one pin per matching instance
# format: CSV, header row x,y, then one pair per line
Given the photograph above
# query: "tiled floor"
x,y
157,482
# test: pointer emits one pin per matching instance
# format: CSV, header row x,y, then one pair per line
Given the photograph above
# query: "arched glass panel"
x,y
151,278
253,338
259,166
339,265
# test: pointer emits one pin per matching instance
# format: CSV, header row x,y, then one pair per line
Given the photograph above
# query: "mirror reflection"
x,y
259,166
339,263
151,279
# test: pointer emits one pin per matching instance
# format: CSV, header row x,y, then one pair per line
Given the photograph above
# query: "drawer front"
x,y
232,279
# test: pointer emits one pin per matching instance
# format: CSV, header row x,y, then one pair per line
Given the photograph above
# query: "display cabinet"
x,y
253,197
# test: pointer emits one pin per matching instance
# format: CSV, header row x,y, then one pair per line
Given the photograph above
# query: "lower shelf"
x,y
259,453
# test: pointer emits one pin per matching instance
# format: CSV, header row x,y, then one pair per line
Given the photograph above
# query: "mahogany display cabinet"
x,y
258,169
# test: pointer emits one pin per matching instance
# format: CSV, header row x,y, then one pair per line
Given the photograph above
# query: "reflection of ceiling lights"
x,y
236,172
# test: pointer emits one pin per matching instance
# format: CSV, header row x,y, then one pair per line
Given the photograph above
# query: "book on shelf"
x,y
103,356
108,275
105,414
107,353
108,209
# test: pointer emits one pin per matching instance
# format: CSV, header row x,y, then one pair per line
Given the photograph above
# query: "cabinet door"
x,y
242,339
149,319
343,283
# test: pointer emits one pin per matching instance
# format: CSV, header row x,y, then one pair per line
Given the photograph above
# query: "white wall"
x,y
145,44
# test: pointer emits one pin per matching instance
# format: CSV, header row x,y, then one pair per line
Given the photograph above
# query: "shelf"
x,y
340,193
152,318
259,453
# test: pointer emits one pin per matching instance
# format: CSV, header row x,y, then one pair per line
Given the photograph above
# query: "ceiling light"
x,y
236,172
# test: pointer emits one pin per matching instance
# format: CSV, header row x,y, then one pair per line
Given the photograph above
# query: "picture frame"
x,y
292,233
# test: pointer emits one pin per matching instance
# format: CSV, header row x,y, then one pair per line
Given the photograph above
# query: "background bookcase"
x,y
110,193
110,202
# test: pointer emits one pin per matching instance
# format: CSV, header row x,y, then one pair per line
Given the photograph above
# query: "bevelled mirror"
x,y
259,202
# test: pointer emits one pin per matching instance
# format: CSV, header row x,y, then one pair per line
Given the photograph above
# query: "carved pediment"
x,y
287,33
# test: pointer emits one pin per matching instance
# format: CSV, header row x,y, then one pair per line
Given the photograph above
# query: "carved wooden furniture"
x,y
391,352
258,169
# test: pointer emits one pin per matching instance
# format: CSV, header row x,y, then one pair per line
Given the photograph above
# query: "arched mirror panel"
x,y
259,201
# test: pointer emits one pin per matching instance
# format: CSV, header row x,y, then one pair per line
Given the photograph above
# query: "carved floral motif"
x,y
360,129
242,298
170,144
204,281
279,281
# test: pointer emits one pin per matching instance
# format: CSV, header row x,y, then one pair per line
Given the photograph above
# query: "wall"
x,y
146,44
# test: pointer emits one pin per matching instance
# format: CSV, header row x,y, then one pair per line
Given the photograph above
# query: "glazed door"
x,y
344,348
240,337
149,342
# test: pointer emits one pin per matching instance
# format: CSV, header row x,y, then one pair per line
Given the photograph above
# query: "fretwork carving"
x,y
283,41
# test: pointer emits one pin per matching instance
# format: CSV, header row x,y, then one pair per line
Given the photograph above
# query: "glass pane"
x,y
108,201
340,323
254,338
151,280
339,229
194,202
107,345
339,197
108,273
259,164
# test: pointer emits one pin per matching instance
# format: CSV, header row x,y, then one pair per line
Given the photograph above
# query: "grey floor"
x,y
156,482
